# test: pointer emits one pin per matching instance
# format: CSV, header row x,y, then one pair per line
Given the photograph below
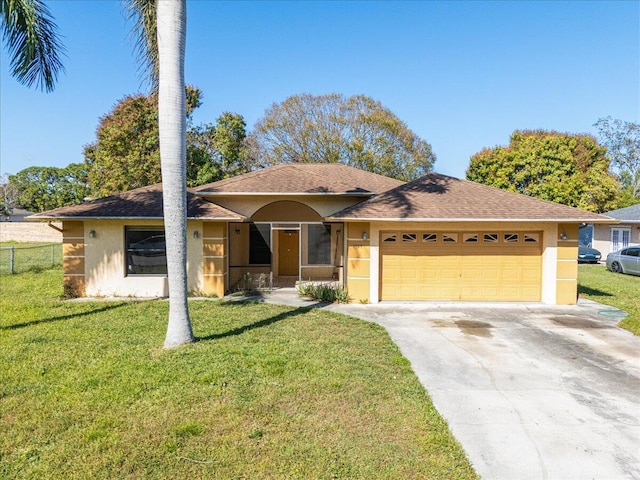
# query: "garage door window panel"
x,y
511,238
490,238
409,237
470,238
390,238
429,237
531,237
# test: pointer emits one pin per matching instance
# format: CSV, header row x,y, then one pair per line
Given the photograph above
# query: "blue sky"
x,y
461,75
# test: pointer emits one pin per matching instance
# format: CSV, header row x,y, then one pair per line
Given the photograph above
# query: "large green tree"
x,y
622,140
46,188
217,151
357,131
126,153
559,167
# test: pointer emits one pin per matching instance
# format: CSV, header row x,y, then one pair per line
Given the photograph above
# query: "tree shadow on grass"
x,y
262,323
62,317
592,291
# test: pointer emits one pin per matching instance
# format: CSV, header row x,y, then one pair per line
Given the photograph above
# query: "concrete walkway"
x,y
530,391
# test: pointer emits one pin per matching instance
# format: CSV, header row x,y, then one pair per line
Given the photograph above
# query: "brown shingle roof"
x,y
145,202
437,197
304,178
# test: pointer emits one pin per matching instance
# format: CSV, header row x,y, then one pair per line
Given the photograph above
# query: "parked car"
x,y
626,260
588,254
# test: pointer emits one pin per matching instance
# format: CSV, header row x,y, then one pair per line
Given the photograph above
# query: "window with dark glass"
x,y
259,244
319,244
146,251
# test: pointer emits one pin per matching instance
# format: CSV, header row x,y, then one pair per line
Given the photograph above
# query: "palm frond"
x,y
32,42
142,13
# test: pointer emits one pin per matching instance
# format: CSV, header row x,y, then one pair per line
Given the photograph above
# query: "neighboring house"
x,y
17,215
611,238
436,238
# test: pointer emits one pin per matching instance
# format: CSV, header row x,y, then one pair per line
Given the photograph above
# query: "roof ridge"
x,y
239,178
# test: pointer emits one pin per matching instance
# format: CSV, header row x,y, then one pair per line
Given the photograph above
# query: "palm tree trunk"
x,y
171,16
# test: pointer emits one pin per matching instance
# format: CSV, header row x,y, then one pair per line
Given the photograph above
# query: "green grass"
x,y
29,256
597,283
266,392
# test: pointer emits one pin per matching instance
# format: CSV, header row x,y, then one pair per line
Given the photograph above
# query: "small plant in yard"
x,y
254,283
324,292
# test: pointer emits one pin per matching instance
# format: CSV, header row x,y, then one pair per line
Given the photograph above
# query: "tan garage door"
x,y
471,266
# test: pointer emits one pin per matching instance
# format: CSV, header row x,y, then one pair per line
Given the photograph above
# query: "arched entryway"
x,y
285,242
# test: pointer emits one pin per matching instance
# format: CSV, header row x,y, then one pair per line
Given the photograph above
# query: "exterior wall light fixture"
x,y
92,234
237,230
365,235
196,234
563,236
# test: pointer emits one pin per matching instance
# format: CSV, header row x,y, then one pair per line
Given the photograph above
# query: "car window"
x,y
632,252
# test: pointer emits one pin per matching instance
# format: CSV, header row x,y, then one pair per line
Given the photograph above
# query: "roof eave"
x,y
34,218
459,220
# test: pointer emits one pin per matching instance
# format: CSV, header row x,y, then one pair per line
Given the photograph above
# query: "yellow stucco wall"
x,y
73,259
567,265
215,261
358,261
105,263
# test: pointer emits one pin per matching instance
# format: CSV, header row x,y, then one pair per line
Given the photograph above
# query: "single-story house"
x,y
610,238
435,238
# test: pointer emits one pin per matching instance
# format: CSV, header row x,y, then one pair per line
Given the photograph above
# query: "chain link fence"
x,y
21,258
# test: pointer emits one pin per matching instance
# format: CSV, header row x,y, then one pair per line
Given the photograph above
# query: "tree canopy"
x,y
560,167
46,188
622,140
357,131
126,153
217,151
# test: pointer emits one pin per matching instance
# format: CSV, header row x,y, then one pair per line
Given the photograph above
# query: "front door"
x,y
288,252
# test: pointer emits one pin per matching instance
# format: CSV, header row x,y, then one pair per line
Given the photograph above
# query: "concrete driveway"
x,y
530,391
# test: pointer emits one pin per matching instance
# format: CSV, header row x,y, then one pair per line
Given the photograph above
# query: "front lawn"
x,y
597,283
87,391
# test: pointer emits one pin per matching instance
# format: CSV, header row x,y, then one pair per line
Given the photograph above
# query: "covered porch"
x,y
272,254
